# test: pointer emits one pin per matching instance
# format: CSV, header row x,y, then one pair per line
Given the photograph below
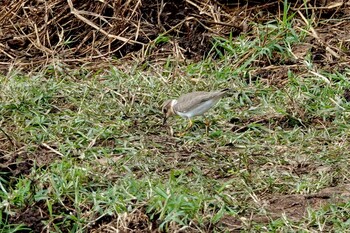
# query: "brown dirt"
x,y
21,161
134,222
34,216
16,164
293,206
297,117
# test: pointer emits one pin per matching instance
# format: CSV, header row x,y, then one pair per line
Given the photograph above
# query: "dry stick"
x,y
76,13
86,37
14,9
177,50
201,11
177,25
133,10
324,78
208,28
336,103
219,23
57,17
97,16
120,95
20,31
331,6
244,58
170,30
214,15
315,35
72,59
160,10
39,60
4,52
52,149
7,136
39,44
138,29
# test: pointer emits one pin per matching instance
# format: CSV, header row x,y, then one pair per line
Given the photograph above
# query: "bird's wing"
x,y
193,99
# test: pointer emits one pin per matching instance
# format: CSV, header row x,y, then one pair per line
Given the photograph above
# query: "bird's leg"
x,y
207,124
189,126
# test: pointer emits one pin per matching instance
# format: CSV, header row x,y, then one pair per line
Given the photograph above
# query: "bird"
x,y
192,104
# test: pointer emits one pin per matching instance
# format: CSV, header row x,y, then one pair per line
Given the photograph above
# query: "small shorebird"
x,y
191,104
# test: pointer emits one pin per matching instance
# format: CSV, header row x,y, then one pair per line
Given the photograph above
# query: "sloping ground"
x,y
36,34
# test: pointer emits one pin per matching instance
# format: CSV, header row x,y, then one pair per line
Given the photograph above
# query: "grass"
x,y
101,158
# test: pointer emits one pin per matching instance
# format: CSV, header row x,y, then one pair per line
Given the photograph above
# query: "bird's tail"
x,y
226,91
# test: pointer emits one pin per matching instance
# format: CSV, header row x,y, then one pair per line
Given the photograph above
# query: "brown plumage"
x,y
192,104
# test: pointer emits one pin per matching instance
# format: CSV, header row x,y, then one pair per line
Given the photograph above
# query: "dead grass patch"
x,y
39,33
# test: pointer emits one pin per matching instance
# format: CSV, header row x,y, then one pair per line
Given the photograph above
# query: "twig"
x,y
52,149
320,76
315,35
7,136
78,13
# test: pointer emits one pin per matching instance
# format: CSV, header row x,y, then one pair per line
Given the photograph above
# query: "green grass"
x,y
101,156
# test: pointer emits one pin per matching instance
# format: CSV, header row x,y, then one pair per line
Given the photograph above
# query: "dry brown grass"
x,y
37,33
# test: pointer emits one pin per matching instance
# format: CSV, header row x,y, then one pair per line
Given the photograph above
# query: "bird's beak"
x,y
164,119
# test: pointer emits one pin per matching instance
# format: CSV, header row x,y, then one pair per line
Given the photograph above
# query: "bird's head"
x,y
167,109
